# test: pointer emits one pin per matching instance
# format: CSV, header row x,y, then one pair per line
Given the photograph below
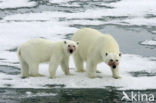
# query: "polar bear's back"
x,y
91,39
37,48
37,44
87,38
110,44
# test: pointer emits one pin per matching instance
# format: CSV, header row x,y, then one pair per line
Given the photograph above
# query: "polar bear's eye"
x,y
120,54
68,45
78,43
117,60
106,54
74,46
111,60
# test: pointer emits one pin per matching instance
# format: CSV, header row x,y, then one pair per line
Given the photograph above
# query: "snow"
x,y
22,31
149,42
129,63
65,3
60,1
16,3
46,15
134,8
30,94
123,7
136,11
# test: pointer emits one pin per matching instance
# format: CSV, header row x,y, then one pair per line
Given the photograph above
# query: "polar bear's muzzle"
x,y
113,64
71,48
71,51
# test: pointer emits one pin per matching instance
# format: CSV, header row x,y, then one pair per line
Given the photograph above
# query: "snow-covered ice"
x,y
16,3
149,42
18,32
60,1
129,64
30,94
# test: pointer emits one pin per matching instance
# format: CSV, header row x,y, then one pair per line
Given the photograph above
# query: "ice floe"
x,y
14,33
134,8
60,1
149,42
16,3
129,63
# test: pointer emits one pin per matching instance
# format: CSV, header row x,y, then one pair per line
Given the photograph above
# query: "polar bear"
x,y
95,48
36,51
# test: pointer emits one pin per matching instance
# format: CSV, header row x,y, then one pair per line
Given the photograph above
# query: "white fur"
x,y
93,48
36,51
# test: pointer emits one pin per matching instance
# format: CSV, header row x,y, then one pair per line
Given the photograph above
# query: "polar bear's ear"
x,y
77,42
106,54
65,42
120,54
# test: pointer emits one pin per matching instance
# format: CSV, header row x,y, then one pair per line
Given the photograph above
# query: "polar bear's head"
x,y
70,46
113,59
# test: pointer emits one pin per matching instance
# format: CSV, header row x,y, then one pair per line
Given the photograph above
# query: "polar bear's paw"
x,y
97,71
99,76
36,75
40,75
80,70
116,76
52,77
69,74
91,76
23,77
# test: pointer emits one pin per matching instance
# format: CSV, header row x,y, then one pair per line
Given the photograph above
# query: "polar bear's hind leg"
x,y
91,69
34,70
24,65
24,69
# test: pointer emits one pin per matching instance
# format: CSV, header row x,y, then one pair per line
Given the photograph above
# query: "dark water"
x,y
128,37
69,95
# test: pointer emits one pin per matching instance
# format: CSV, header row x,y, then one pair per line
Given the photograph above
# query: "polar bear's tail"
x,y
19,53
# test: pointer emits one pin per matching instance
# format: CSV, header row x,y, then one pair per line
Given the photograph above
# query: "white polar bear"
x,y
94,48
36,51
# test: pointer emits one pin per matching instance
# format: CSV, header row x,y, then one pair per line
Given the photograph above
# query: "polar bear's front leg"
x,y
91,69
115,73
53,65
65,66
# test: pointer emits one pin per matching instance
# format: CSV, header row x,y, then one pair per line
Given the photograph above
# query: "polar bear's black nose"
x,y
71,51
114,66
